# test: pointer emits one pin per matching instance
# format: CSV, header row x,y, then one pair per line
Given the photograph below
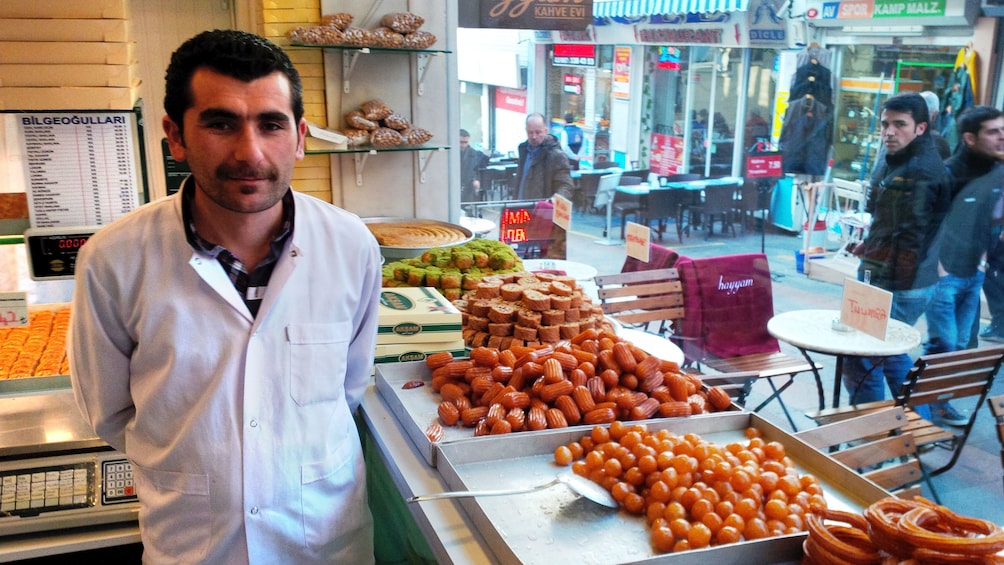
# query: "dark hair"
x,y
464,133
971,119
909,103
233,53
569,118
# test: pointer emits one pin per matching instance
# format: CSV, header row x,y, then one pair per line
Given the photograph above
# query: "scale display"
x,y
52,252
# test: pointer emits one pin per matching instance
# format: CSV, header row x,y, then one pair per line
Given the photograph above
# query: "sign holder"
x,y
764,163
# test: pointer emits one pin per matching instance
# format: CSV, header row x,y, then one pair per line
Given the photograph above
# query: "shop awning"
x,y
635,8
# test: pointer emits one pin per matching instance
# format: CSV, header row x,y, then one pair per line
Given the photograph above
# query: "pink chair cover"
x,y
540,224
659,257
728,302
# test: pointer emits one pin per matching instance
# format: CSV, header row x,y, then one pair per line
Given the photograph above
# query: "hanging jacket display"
x,y
806,136
814,79
959,95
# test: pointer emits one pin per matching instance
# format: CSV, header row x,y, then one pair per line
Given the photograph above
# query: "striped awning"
x,y
635,8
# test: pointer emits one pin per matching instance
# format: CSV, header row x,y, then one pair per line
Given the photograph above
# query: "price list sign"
x,y
81,168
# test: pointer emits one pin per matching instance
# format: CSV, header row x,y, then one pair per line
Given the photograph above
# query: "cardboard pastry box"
x,y
403,352
417,315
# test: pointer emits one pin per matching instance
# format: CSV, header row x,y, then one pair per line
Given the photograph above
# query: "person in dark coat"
x,y
964,239
908,198
471,161
542,172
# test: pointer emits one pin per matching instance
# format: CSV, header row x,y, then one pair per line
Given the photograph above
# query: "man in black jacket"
x,y
909,196
965,236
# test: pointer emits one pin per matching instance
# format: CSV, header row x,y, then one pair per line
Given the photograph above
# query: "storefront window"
x,y
869,75
583,90
715,80
760,93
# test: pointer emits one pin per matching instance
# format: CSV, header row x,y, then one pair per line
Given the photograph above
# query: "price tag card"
x,y
13,309
562,212
638,238
866,308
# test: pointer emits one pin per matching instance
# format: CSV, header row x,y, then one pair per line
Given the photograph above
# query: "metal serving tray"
x,y
556,526
418,407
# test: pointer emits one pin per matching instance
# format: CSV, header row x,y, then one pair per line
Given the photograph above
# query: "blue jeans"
x,y
865,378
952,312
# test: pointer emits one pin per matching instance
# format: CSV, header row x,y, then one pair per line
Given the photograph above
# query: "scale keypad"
x,y
44,489
117,482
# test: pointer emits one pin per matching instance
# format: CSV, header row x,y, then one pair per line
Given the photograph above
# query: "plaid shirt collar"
x,y
244,281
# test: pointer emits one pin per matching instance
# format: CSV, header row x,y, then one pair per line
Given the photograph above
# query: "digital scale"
x,y
55,473
52,252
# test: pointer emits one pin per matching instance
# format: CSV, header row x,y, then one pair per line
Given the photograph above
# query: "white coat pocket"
x,y
176,516
333,497
317,354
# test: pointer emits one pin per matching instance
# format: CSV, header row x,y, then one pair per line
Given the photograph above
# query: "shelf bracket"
x,y
422,65
360,161
349,59
424,158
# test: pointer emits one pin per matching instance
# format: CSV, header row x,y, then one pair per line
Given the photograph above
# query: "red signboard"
x,y
514,224
511,99
666,154
575,54
766,165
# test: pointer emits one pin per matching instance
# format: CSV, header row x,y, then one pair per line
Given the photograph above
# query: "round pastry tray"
x,y
392,253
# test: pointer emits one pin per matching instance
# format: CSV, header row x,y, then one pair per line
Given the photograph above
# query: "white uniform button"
x,y
254,510
254,423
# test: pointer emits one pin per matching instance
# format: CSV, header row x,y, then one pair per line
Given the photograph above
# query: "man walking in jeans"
x,y
909,196
965,236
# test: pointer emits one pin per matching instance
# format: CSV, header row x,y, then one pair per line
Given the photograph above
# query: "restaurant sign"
x,y
536,14
721,29
574,55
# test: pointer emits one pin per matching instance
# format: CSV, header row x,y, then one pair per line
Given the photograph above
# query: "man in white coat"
x,y
222,337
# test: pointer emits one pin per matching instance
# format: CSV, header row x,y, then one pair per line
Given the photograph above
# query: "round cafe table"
x,y
479,226
574,269
819,331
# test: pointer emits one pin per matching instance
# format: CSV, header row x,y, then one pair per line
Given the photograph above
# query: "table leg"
x,y
838,377
819,380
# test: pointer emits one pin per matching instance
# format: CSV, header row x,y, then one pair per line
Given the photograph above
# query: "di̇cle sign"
x,y
882,9
537,14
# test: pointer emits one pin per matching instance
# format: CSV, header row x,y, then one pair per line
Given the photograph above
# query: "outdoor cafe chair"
x,y
875,446
625,204
728,301
718,205
660,301
605,192
996,404
939,377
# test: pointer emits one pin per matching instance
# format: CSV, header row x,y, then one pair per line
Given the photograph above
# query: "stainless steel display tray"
x,y
556,526
418,407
